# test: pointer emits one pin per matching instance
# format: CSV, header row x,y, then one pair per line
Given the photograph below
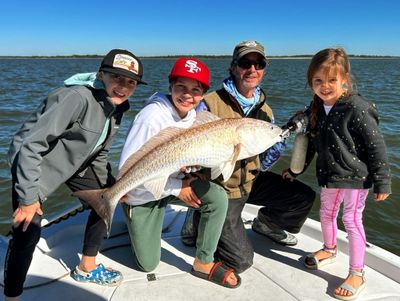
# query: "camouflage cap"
x,y
246,47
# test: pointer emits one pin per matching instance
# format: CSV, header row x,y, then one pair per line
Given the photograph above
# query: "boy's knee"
x,y
28,239
147,265
145,258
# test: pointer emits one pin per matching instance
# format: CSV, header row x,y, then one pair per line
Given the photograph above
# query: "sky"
x,y
208,27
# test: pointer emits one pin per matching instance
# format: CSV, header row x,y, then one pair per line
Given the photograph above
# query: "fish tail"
x,y
97,199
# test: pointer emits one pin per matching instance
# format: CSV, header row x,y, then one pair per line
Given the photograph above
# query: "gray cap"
x,y
246,47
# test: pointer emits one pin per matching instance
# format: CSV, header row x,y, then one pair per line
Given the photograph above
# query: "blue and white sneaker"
x,y
100,275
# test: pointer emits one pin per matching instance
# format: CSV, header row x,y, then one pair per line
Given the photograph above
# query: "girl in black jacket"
x,y
343,131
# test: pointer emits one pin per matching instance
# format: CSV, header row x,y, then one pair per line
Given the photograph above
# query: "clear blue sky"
x,y
146,27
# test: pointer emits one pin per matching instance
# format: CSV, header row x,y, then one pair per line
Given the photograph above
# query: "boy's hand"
x,y
191,169
25,214
124,199
187,194
379,197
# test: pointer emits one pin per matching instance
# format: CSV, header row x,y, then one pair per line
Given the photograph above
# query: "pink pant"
x,y
354,204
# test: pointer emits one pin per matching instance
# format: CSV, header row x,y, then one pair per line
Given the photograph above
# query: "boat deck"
x,y
277,273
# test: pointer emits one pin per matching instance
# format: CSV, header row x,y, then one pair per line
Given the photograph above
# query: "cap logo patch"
x,y
192,66
124,61
251,44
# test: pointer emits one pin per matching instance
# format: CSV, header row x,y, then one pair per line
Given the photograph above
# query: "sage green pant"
x,y
145,224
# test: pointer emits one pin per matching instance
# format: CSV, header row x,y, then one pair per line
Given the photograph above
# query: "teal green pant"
x,y
145,224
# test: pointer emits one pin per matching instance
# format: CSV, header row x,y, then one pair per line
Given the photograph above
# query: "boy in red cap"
x,y
67,141
189,80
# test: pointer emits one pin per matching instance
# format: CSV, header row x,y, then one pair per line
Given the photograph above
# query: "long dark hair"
x,y
327,59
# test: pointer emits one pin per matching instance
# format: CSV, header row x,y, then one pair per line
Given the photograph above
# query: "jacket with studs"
x,y
351,151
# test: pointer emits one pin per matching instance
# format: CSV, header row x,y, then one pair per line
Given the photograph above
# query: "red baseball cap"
x,y
191,68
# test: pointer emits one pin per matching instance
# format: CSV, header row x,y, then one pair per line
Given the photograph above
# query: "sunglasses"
x,y
246,64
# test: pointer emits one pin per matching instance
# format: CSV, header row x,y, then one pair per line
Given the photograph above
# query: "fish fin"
x,y
230,165
162,137
204,117
215,172
97,199
226,169
236,152
156,186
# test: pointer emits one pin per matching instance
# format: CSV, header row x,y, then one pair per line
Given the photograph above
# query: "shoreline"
x,y
288,57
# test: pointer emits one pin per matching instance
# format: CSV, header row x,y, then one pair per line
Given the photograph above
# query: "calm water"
x,y
25,82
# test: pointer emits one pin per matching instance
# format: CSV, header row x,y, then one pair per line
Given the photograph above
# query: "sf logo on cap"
x,y
192,66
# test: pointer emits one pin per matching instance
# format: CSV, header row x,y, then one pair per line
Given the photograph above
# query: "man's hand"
x,y
286,175
24,214
187,194
297,123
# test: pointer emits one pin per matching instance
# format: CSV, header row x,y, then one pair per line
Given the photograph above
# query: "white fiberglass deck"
x,y
277,273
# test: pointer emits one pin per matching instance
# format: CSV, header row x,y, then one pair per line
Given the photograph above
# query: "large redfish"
x,y
211,142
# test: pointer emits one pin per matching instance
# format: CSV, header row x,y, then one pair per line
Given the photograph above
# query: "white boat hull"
x,y
277,273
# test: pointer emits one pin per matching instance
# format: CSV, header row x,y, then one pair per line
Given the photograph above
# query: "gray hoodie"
x,y
58,140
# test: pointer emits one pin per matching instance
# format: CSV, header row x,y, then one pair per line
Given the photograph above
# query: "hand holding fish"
x,y
191,169
124,199
287,175
194,170
25,213
187,194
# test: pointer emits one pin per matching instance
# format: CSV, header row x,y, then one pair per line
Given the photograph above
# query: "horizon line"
x,y
192,55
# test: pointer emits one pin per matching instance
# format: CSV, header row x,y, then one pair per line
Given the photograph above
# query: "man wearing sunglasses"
x,y
285,204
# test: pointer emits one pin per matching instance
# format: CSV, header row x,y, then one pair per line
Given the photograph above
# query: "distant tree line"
x,y
97,56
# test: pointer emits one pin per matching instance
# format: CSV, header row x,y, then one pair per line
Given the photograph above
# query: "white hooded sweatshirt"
x,y
157,114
